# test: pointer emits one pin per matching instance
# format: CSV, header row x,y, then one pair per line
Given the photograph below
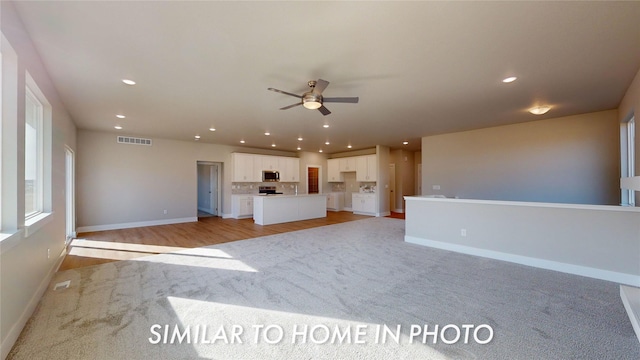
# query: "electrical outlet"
x,y
436,187
165,212
463,232
48,253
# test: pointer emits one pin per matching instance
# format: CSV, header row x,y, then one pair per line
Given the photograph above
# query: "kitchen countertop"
x,y
285,195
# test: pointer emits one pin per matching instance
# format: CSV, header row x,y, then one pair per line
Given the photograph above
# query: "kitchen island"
x,y
276,209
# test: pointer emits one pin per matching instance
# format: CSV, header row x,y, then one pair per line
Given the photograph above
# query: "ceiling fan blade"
x,y
284,92
351,100
290,106
324,110
320,86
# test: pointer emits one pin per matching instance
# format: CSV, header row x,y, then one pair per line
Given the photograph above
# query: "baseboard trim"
x,y
384,213
617,277
227,216
401,211
16,329
136,224
631,300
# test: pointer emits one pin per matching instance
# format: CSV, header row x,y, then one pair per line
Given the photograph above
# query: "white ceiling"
x,y
419,68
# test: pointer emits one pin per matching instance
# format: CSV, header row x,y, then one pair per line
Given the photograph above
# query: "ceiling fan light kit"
x,y
313,99
540,109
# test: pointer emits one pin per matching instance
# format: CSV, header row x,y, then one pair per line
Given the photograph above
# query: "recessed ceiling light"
x,y
325,126
212,129
349,146
273,145
267,133
540,109
405,143
320,150
128,82
119,116
241,141
299,139
118,127
509,79
299,148
197,136
327,143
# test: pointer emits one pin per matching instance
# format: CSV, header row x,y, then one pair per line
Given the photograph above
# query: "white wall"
x,y
25,270
573,159
121,184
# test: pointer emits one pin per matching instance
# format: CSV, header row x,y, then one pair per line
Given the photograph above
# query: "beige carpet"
x,y
323,293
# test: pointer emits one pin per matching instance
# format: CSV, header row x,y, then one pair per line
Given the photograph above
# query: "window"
x,y
33,155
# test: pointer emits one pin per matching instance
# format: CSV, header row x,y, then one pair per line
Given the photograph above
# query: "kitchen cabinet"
x,y
335,201
241,206
289,169
249,167
333,171
364,204
347,164
243,168
366,168
270,163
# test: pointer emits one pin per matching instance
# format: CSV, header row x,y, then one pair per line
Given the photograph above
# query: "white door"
x,y
213,189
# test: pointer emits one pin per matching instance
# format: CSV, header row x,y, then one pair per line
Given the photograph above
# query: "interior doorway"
x,y
70,203
209,180
314,186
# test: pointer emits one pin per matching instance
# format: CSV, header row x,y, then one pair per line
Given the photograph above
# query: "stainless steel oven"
x,y
270,175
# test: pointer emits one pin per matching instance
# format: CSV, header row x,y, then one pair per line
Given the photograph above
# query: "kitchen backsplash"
x,y
338,187
252,188
368,187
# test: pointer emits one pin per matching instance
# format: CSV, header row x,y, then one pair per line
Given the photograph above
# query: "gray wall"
x,y
119,184
382,185
25,270
405,176
629,105
314,159
588,240
572,159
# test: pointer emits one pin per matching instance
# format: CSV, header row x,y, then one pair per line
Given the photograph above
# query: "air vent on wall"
x,y
133,140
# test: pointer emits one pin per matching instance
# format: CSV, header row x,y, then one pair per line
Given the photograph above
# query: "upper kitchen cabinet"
x,y
366,168
347,164
289,169
244,169
270,163
333,170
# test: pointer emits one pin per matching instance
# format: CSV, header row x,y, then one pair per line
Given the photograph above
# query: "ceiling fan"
x,y
313,98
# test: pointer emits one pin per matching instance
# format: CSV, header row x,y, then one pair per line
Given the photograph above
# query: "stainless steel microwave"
x,y
270,175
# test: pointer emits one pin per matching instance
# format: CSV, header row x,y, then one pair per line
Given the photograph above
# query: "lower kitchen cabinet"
x,y
241,206
364,204
335,201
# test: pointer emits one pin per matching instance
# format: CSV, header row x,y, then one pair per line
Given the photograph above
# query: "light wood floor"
x,y
101,247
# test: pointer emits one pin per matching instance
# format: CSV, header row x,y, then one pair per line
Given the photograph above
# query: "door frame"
x,y
70,190
217,207
306,177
